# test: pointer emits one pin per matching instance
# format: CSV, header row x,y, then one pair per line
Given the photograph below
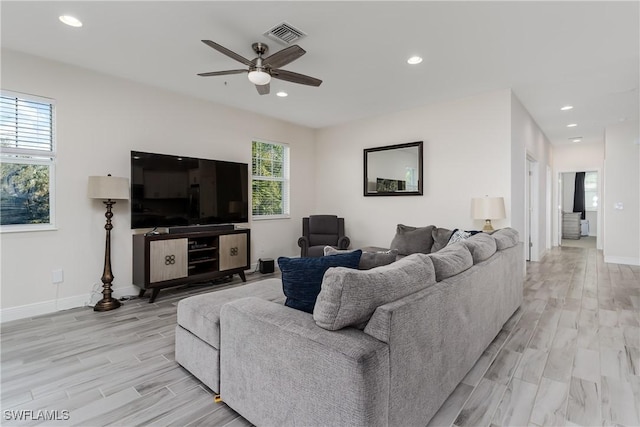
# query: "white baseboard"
x,y
44,307
621,260
52,306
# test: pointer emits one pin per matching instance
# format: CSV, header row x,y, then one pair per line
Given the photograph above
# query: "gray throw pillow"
x,y
349,297
440,238
369,259
481,246
412,240
505,238
452,260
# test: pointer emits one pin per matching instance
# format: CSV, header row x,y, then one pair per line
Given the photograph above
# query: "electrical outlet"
x,y
57,276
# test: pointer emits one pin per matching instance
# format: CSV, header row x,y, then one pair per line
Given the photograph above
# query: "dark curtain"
x,y
578,195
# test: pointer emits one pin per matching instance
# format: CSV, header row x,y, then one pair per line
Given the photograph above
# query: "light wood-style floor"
x,y
569,356
586,242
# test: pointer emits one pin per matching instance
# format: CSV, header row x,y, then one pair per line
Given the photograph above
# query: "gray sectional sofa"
x,y
383,347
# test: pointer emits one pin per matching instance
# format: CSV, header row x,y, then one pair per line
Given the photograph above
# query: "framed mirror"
x,y
393,170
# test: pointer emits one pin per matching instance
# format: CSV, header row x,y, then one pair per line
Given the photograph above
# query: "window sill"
x,y
269,217
26,228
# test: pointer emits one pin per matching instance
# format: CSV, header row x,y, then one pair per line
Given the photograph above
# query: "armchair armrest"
x,y
303,242
277,367
344,242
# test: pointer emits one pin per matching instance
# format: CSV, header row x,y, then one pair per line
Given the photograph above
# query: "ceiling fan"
x,y
261,70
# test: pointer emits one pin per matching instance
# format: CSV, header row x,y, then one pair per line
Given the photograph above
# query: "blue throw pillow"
x,y
302,277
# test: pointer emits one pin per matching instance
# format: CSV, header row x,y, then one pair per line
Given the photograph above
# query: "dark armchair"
x,y
319,231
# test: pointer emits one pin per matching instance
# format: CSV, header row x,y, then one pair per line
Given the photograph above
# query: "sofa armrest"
x,y
303,242
344,242
277,367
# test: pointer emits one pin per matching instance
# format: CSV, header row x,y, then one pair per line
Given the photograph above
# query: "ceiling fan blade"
x,y
227,52
222,73
292,77
284,57
263,89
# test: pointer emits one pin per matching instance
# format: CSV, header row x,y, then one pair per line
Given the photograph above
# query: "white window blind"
x,y
26,126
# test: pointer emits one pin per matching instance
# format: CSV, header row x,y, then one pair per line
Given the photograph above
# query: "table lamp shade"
x,y
108,187
488,208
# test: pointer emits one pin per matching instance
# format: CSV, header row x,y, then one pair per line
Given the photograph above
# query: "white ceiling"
x,y
550,53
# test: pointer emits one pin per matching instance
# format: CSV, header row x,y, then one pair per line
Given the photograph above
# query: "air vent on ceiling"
x,y
285,33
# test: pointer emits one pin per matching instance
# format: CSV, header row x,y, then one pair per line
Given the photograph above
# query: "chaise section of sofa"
x,y
198,330
280,368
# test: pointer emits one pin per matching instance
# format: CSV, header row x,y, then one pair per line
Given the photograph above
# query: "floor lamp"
x,y
487,208
109,189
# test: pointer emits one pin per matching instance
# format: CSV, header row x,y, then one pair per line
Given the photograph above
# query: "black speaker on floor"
x,y
266,265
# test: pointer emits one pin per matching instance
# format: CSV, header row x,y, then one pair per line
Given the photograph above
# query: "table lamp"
x,y
487,208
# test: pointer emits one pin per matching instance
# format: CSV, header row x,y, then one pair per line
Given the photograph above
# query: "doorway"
x,y
579,200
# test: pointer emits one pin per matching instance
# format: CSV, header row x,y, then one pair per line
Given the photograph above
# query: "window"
x,y
591,191
270,180
26,163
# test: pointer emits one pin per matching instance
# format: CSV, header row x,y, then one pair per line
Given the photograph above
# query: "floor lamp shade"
x,y
488,208
109,189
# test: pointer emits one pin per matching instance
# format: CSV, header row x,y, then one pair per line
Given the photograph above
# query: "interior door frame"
x,y
599,222
532,209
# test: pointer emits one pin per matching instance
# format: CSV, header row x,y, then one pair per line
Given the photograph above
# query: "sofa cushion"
x,y
440,238
481,246
349,297
369,259
452,260
324,224
200,314
412,240
317,239
302,277
505,238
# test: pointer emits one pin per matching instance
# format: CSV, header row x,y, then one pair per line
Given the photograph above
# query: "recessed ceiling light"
x,y
576,140
567,107
572,125
282,94
414,60
70,20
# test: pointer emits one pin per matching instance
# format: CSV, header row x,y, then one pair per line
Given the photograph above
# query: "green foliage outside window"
x,y
269,179
24,194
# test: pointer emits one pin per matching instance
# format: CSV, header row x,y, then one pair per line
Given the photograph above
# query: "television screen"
x,y
169,190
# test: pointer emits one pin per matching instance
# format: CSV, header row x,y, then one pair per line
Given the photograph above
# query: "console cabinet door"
x,y
168,259
233,251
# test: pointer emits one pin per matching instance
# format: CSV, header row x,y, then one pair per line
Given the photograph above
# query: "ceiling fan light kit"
x,y
259,77
261,70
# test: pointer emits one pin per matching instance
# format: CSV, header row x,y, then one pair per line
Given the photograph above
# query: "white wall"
x,y
622,186
466,155
578,158
99,120
528,142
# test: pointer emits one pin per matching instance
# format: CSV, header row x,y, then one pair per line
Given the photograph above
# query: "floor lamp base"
x,y
106,304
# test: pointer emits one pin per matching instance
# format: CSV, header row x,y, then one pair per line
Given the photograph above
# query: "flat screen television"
x,y
168,191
